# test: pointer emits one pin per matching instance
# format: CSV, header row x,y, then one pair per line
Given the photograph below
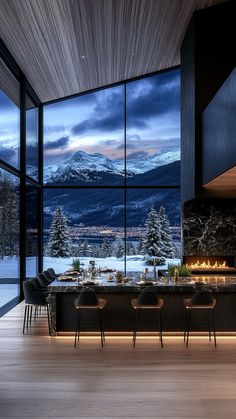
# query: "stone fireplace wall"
x,y
209,228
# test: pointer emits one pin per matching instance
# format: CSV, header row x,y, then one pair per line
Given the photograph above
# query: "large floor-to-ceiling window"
x,y
32,190
9,187
19,182
112,174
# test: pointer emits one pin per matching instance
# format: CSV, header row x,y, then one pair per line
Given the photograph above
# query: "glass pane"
x,y
153,228
31,140
84,139
32,196
9,117
9,237
92,224
153,130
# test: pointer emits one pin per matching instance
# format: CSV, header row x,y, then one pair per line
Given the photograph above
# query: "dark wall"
x,y
207,59
219,131
209,228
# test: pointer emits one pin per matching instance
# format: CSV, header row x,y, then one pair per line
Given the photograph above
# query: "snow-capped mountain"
x,y
90,168
138,166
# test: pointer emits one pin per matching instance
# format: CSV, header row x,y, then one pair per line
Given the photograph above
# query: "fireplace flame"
x,y
208,265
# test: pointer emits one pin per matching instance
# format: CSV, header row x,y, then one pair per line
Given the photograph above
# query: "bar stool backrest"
x,y
42,280
36,284
148,297
32,296
202,298
52,273
47,277
87,298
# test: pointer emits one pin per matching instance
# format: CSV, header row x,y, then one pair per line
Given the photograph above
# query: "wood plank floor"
x,y
45,377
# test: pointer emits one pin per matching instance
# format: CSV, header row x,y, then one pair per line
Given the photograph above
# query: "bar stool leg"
x,y
49,321
24,319
30,317
101,330
79,322
214,329
188,325
160,327
209,325
135,326
27,318
76,328
185,323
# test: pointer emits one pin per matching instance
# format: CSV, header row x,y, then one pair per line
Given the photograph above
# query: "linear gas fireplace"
x,y
210,264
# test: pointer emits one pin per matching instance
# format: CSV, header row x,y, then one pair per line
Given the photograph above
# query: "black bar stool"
x,y
147,300
201,301
34,298
88,300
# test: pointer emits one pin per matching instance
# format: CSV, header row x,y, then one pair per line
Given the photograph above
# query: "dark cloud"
x,y
156,96
60,143
108,116
8,155
146,98
32,155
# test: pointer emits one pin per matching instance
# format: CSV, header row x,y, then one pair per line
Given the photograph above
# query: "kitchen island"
x,y
118,313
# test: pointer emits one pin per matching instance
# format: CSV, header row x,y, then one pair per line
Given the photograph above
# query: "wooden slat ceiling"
x,y
224,183
70,46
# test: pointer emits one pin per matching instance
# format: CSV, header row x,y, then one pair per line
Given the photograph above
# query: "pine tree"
x,y
141,247
9,216
120,248
130,249
152,241
96,251
166,239
105,248
87,249
59,239
80,249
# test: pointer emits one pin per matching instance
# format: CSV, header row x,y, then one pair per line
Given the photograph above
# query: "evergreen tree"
x,y
105,248
141,246
59,239
120,248
177,250
80,249
166,240
96,251
152,241
9,216
130,249
86,249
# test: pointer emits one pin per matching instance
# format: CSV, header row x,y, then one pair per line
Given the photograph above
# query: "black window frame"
x,y
26,89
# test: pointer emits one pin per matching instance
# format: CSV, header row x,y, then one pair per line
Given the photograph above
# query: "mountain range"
x,y
97,169
96,207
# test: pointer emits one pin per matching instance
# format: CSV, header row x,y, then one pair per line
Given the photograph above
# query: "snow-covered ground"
x,y
133,263
8,292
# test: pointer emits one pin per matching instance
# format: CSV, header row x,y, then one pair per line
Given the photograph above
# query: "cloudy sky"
x,y
94,123
9,131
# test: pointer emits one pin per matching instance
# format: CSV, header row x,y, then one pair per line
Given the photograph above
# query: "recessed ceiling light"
x,y
83,57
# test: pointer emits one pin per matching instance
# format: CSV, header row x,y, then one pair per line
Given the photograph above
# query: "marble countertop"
x,y
162,285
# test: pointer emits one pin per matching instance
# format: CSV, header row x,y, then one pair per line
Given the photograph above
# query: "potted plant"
x,y
76,264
